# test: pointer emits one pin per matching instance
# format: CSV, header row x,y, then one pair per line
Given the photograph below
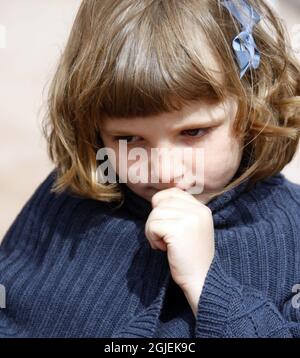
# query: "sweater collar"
x,y
141,207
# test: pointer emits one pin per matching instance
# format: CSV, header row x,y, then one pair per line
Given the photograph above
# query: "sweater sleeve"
x,y
228,309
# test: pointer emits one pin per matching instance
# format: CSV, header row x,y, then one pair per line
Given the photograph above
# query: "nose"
x,y
167,169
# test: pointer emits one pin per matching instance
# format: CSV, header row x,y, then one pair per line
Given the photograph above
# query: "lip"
x,y
184,188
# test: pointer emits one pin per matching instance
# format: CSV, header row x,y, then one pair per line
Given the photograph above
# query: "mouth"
x,y
154,190
183,185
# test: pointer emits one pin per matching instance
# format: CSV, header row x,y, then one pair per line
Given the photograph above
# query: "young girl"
x,y
133,259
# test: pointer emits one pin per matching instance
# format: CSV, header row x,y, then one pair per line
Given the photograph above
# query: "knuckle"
x,y
208,210
155,198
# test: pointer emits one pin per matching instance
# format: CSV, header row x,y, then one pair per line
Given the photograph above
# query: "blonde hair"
x,y
144,57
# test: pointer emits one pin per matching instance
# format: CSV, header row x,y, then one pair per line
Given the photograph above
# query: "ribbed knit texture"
x,y
75,267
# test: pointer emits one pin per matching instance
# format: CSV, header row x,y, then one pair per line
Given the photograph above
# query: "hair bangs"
x,y
160,66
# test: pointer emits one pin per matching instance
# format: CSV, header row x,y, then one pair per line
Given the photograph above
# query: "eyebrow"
x,y
193,124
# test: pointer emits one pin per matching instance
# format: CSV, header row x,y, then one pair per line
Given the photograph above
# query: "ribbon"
x,y
243,44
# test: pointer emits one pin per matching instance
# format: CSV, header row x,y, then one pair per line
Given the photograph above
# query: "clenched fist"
x,y
183,227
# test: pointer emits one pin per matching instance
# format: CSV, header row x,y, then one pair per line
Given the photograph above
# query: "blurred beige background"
x,y
32,35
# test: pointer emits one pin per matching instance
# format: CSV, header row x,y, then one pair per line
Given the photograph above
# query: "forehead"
x,y
201,112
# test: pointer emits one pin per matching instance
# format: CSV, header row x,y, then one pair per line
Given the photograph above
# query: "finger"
x,y
165,212
156,231
171,193
161,245
175,204
151,232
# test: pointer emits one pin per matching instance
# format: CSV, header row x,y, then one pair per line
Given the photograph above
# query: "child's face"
x,y
221,149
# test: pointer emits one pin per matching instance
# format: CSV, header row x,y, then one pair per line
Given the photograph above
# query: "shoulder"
x,y
45,200
280,190
48,213
276,195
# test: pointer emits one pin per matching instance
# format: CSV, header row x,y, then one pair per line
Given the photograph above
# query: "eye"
x,y
194,132
188,132
127,138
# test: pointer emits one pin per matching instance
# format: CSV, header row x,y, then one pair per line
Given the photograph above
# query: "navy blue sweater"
x,y
76,267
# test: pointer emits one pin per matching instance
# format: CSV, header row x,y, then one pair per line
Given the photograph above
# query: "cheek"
x,y
131,169
113,156
222,157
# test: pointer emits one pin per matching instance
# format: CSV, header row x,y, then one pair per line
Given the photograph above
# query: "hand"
x,y
183,227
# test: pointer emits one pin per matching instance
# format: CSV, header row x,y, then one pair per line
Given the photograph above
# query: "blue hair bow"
x,y
244,46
